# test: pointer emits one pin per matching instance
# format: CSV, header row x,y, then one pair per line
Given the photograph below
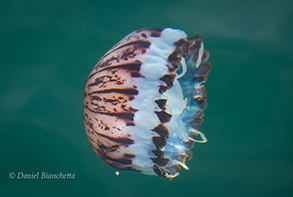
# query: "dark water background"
x,y
49,47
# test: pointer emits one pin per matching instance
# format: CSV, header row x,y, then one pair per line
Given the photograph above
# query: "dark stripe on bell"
x,y
126,116
163,116
133,66
162,89
123,115
128,155
136,75
130,124
161,130
117,140
160,161
168,79
152,29
122,161
127,66
158,153
159,142
131,98
109,149
155,34
161,103
128,91
174,58
132,109
109,160
139,43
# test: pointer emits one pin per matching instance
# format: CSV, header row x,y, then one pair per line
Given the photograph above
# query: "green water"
x,y
49,47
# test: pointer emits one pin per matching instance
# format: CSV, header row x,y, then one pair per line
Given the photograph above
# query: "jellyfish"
x,y
144,101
